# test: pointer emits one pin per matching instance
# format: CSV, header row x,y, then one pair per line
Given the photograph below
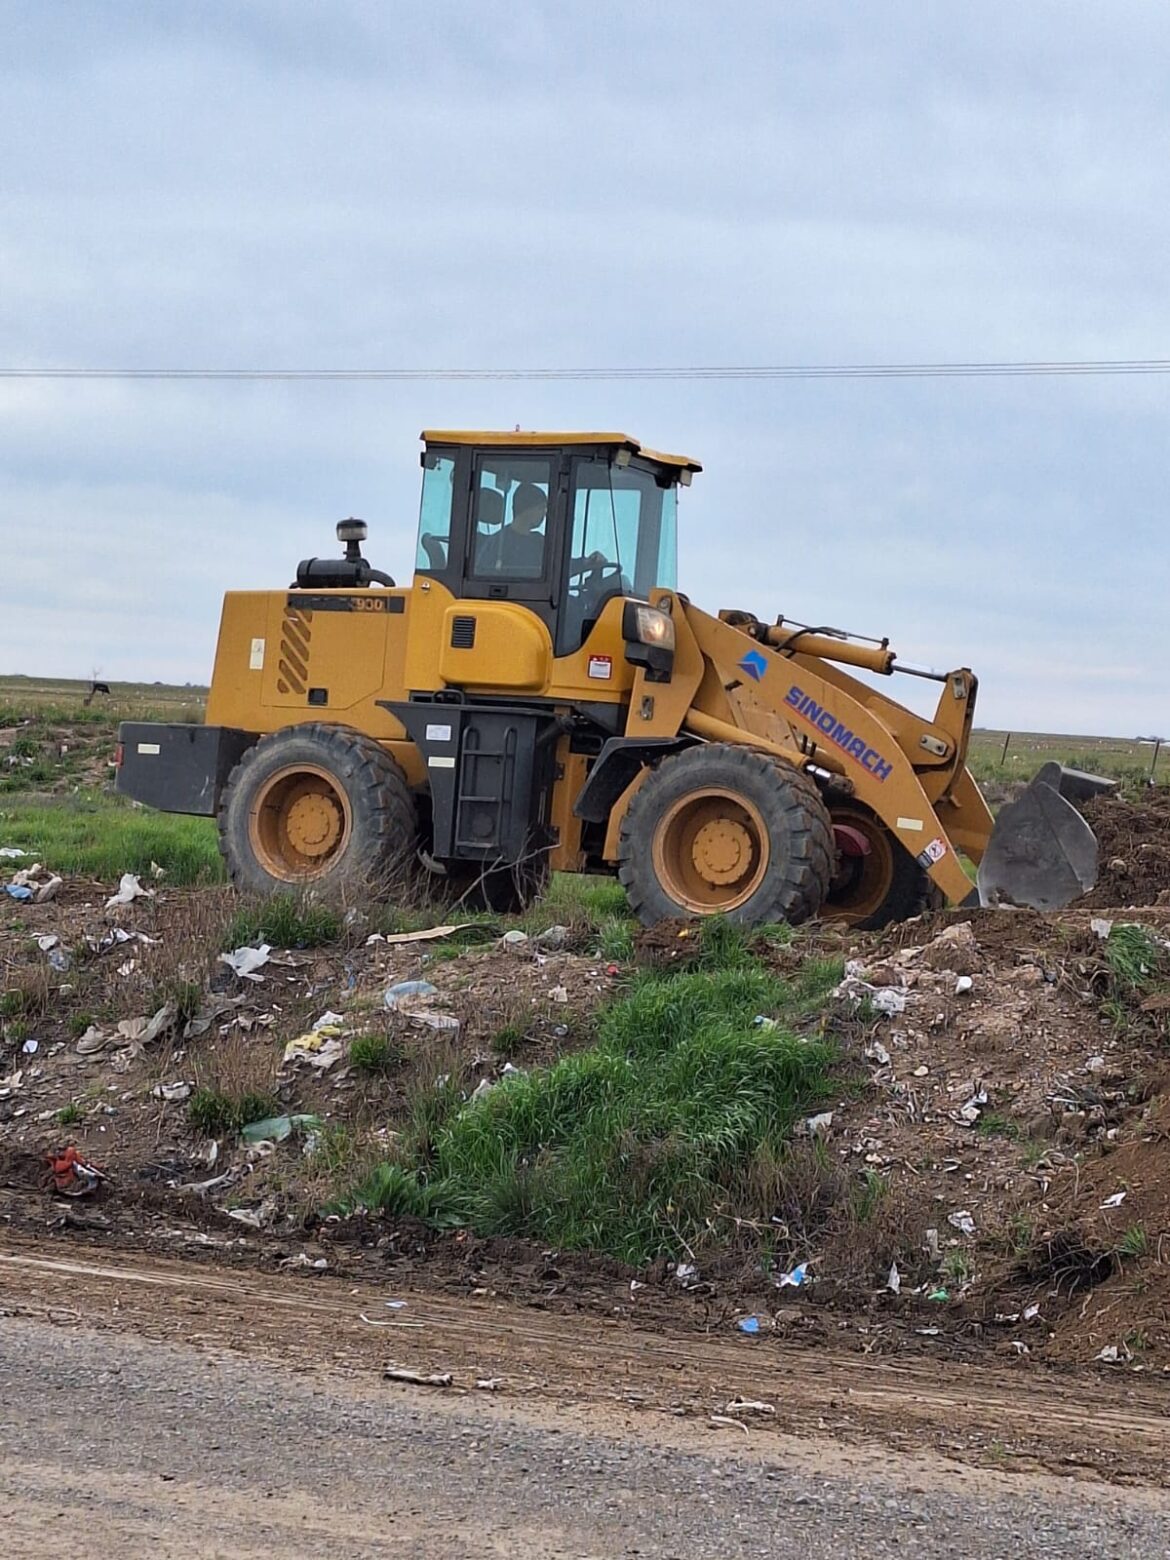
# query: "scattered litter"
x,y
31,1047
1031,1312
18,891
430,934
489,1383
762,1021
748,1324
939,1294
686,1274
894,1281
47,942
876,1052
275,1129
1020,1347
725,1422
962,1221
552,938
246,962
406,990
156,871
73,1176
395,1305
817,1126
254,1218
92,1041
889,1000
559,994
963,985
59,960
432,1020
11,853
969,1112
144,1031
740,1405
793,1279
412,998
1114,1354
484,1086
319,1046
46,891
922,1072
415,1378
514,941
1115,1201
1100,927
129,889
304,1260
172,1091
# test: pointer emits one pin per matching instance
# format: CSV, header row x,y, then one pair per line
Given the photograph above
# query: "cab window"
x,y
434,519
622,543
509,517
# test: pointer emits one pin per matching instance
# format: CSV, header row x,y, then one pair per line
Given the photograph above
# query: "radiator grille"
x,y
462,633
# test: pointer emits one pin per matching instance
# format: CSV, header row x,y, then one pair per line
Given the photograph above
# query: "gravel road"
x,y
116,1446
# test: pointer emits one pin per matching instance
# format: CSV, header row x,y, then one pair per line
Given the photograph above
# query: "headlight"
x,y
649,636
649,626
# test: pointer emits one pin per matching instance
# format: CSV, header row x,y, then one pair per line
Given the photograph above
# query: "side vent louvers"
x,y
293,671
462,633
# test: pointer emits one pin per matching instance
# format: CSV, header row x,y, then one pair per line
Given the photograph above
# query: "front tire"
x,y
726,830
321,808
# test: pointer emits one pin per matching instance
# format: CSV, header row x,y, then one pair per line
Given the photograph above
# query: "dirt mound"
x,y
1134,840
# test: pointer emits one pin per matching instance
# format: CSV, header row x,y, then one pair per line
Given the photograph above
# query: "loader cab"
x,y
556,522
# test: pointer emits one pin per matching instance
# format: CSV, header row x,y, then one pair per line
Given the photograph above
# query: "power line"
x,y
1119,366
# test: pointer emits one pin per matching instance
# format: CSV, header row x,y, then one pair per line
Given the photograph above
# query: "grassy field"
x,y
1005,755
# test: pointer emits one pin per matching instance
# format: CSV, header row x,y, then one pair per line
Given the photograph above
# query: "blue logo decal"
x,y
754,664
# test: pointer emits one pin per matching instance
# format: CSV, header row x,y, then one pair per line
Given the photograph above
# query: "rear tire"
x,y
725,830
869,892
320,808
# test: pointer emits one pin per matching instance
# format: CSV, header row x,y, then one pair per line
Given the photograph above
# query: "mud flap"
x,y
1042,853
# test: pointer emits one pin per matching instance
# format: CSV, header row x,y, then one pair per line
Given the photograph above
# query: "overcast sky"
x,y
547,183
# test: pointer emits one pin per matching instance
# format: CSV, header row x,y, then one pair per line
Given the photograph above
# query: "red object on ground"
x,y
71,1175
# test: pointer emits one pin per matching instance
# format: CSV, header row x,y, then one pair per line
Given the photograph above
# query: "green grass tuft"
x,y
1134,1243
1135,958
375,1055
213,1113
284,921
635,1146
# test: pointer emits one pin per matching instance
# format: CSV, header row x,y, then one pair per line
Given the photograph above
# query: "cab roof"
x,y
519,441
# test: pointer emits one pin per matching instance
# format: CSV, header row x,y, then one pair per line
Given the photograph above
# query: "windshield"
x,y
624,541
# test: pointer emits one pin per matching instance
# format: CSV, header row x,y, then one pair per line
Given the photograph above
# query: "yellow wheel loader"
x,y
542,698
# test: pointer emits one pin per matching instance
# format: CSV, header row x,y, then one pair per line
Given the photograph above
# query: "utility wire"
x,y
1022,370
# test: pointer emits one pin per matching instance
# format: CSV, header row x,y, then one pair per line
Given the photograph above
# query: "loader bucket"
x,y
1042,853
